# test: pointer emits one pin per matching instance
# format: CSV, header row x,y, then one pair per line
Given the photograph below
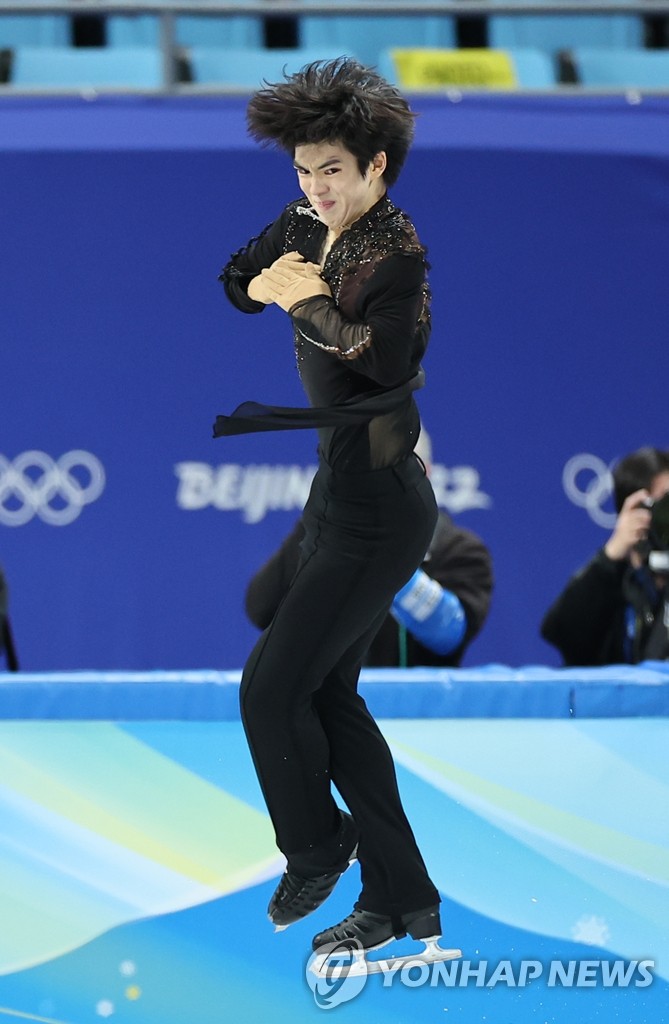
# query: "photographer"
x,y
7,648
615,610
432,620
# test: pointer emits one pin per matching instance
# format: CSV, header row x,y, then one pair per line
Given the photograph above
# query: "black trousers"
x,y
306,725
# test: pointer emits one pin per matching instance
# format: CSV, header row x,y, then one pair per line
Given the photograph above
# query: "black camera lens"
x,y
659,523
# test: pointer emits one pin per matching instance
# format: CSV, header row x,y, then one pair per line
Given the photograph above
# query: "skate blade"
x,y
432,954
325,965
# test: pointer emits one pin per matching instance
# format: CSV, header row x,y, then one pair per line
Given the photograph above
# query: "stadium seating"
x,y
86,67
369,35
190,30
648,69
248,68
559,31
530,51
34,30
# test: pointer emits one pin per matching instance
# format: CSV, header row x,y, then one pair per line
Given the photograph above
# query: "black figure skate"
x,y
363,931
297,895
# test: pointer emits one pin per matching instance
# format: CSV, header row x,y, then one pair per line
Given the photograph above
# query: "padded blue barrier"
x,y
493,691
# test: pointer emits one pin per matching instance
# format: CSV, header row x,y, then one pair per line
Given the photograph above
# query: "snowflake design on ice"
x,y
591,930
104,1008
128,968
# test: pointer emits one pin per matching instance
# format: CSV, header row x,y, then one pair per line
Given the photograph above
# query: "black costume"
x,y
609,613
457,559
368,523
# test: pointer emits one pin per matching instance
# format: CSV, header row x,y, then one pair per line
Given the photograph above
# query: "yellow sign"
x,y
430,69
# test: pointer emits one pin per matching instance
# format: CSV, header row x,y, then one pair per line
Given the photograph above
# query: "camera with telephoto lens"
x,y
657,544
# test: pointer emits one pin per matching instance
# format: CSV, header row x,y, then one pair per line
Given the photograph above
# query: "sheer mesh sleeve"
x,y
388,303
247,263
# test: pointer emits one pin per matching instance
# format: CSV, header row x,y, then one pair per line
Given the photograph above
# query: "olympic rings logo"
x,y
55,491
588,482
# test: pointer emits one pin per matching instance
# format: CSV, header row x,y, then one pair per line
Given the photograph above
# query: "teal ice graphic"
x,y
550,826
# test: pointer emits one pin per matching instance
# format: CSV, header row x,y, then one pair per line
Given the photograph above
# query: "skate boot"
x,y
363,931
297,895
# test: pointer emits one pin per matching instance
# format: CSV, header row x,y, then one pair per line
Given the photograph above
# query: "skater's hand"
x,y
263,288
631,526
289,280
260,289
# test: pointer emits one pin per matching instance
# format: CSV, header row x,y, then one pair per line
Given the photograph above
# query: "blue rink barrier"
x,y
492,691
137,858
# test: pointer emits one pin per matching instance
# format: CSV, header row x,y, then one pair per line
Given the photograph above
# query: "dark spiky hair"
x,y
637,471
335,101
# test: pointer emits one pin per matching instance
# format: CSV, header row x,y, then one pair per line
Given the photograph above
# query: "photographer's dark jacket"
x,y
457,559
6,639
608,614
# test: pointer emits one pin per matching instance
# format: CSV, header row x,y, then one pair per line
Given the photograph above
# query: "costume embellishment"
x,y
345,353
308,211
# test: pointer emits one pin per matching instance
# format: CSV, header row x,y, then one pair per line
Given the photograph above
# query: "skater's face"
x,y
330,178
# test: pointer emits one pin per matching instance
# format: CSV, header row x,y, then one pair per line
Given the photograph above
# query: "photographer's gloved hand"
x,y
289,280
631,527
434,616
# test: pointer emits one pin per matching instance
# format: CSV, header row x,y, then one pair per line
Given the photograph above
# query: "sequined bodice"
x,y
383,230
372,333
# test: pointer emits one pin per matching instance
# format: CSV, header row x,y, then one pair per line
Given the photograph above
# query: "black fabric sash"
x,y
252,417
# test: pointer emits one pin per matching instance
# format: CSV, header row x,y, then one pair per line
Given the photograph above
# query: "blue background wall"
x,y
547,222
